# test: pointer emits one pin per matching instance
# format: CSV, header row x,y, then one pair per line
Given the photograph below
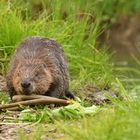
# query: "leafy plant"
x,y
68,112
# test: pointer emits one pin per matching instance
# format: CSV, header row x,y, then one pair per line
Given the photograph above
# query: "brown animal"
x,y
38,66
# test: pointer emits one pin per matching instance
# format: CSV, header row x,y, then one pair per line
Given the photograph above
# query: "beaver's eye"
x,y
37,73
38,76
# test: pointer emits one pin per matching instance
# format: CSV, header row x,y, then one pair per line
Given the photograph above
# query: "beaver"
x,y
38,66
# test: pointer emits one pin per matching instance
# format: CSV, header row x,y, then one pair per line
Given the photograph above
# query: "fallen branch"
x,y
18,98
33,100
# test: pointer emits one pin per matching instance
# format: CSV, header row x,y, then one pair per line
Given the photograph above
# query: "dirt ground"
x,y
12,129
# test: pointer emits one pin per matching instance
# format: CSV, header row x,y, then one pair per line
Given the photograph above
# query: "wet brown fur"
x,y
42,62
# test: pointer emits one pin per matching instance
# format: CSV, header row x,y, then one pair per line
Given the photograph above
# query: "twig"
x,y
17,98
45,100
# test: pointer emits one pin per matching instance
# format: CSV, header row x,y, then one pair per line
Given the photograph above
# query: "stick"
x,y
17,98
36,101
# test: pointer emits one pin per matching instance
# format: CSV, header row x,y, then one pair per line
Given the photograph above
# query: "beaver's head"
x,y
31,78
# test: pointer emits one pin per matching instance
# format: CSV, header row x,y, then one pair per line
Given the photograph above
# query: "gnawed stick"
x,y
17,98
45,101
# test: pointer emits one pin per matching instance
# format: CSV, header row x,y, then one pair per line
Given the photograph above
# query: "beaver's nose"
x,y
25,84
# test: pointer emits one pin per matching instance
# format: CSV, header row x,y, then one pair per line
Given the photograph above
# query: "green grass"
x,y
86,63
118,122
76,25
3,98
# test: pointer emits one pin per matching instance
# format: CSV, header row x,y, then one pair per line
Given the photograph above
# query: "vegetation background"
x,y
84,28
